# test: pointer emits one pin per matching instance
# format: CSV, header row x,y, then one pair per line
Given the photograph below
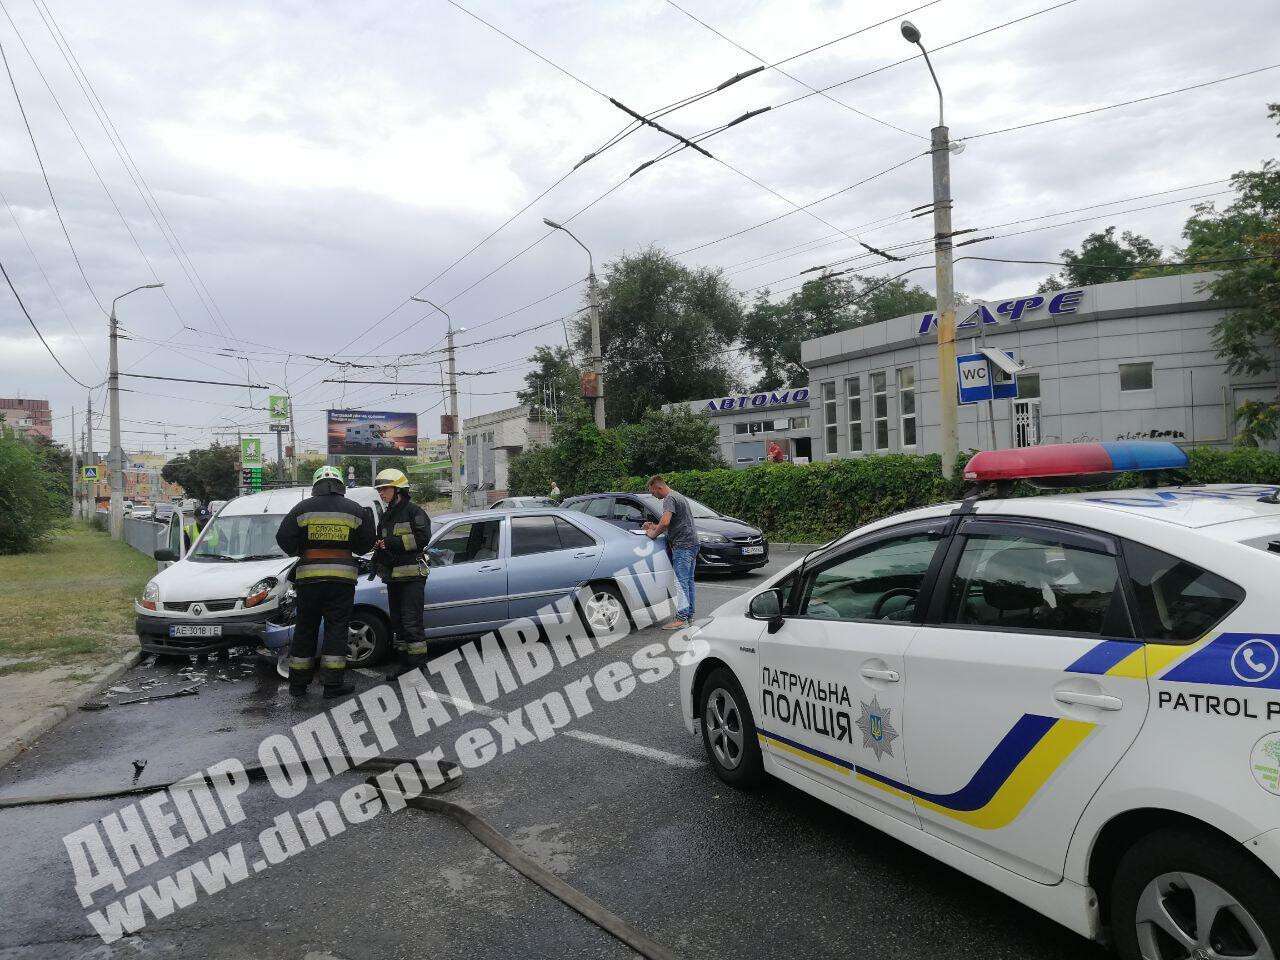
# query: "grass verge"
x,y
69,602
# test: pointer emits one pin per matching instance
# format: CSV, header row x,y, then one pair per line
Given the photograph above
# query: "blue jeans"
x,y
684,559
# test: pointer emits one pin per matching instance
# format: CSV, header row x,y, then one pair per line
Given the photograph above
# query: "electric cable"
x,y
27,314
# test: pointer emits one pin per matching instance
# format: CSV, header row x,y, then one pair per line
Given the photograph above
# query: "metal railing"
x,y
145,536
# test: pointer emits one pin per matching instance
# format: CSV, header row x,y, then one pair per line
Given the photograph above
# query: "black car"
x,y
723,542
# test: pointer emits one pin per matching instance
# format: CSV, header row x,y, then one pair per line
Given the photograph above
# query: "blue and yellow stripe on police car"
x,y
1129,658
1021,763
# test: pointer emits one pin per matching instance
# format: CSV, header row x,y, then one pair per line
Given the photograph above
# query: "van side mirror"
x,y
768,606
165,555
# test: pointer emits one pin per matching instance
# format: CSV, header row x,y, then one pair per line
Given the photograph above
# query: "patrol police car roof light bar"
x,y
1059,461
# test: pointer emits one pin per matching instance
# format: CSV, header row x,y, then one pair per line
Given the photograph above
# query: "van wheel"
x,y
369,639
1179,894
728,731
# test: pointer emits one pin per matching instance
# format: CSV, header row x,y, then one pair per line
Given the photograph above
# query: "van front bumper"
x,y
237,631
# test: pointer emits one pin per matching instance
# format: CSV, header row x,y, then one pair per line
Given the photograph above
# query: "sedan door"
x,y
1020,701
467,588
550,556
833,676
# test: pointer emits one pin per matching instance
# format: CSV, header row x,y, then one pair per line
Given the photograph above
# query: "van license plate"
x,y
195,631
748,551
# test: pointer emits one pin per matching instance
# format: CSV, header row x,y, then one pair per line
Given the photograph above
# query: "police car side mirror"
x,y
768,606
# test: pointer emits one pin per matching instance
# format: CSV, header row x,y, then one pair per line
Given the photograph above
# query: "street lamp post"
x,y
455,454
943,268
116,457
597,366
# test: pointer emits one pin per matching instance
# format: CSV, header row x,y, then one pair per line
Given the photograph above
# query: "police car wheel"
x,y
368,639
1179,894
728,730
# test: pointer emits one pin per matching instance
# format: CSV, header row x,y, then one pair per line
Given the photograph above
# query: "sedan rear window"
x,y
1177,600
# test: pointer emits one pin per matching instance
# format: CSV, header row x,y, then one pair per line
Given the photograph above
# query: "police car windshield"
x,y
244,537
699,510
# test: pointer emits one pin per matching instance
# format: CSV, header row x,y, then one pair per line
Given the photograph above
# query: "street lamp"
x,y
944,269
455,455
597,367
115,517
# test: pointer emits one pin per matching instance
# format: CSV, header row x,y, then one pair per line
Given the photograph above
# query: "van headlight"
x,y
260,591
150,595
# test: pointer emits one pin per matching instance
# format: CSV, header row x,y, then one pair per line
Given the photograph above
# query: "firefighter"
x,y
326,532
403,535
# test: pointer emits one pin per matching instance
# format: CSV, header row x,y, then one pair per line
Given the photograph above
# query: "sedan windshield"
x,y
700,511
243,537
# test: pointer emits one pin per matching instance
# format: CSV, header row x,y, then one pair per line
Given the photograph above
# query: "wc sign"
x,y
980,379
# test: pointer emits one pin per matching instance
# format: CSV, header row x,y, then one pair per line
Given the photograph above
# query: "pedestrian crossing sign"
x,y
88,473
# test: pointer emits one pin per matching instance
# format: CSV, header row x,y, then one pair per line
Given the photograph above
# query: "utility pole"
x,y
91,489
75,488
593,298
944,270
116,466
455,454
293,445
279,452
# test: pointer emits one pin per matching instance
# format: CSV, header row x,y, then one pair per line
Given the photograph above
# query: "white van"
x,y
219,591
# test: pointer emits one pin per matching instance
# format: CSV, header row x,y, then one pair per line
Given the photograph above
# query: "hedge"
x,y
816,502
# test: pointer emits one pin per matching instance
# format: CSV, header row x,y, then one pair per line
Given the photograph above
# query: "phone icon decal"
x,y
1254,660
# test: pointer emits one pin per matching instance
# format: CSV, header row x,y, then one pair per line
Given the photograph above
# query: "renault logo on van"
x,y
197,610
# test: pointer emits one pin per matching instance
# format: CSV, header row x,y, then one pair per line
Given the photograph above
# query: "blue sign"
x,y
771,398
979,379
1067,301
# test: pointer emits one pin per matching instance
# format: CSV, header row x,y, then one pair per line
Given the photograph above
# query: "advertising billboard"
x,y
372,433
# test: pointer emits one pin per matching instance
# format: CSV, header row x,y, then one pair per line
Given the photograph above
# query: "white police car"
x,y
1073,698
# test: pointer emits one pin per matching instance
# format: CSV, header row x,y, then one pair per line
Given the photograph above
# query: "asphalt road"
x,y
619,803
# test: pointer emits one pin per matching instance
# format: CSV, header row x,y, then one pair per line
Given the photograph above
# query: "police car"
x,y
1073,698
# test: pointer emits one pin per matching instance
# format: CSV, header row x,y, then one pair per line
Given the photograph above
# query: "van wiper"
x,y
262,556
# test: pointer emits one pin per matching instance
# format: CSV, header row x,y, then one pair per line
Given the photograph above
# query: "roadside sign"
x,y
88,473
979,379
250,452
278,405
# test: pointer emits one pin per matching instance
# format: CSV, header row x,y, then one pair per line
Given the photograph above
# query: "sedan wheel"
x,y
604,610
368,639
1186,915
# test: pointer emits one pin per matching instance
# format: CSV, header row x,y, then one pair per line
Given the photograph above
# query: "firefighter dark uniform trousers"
x,y
326,532
406,530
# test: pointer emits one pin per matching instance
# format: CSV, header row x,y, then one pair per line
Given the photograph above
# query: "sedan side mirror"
x,y
768,606
165,555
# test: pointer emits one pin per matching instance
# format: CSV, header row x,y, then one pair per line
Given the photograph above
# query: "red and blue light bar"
x,y
1074,459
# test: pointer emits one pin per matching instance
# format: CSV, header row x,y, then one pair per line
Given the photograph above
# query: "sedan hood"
x,y
188,581
725,526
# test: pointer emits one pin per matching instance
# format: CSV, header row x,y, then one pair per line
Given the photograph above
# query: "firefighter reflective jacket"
x,y
406,530
325,532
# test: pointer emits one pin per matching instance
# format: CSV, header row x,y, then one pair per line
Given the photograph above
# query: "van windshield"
x,y
237,538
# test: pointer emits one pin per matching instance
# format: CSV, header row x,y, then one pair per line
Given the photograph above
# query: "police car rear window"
x,y
1177,601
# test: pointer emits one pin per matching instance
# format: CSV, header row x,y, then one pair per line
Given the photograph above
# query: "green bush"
x,y
28,503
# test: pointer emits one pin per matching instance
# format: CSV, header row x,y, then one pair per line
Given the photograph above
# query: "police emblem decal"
x,y
878,733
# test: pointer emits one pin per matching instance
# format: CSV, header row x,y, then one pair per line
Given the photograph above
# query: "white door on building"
x,y
1026,423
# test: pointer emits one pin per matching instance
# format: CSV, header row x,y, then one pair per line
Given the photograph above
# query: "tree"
x,y
666,334
55,461
307,467
1248,336
1104,259
772,332
679,440
28,507
205,475
557,370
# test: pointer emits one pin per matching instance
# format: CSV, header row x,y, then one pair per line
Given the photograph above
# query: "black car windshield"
x,y
242,537
700,511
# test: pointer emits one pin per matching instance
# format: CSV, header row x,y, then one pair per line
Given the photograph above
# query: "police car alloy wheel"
x,y
1186,895
368,639
728,730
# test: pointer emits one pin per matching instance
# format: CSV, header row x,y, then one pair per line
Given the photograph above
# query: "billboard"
x,y
372,433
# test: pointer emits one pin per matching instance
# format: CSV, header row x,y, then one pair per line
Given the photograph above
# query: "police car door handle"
x,y
1099,700
871,673
491,569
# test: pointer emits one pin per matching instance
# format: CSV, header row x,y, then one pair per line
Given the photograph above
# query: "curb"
x,y
27,733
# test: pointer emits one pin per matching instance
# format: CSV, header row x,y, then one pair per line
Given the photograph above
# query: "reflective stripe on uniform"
x,y
300,663
418,648
402,528
329,516
333,571
409,542
406,571
333,662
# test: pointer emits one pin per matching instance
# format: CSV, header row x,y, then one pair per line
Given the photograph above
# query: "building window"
x,y
739,428
1135,376
853,390
907,404
880,409
829,415
799,423
1028,386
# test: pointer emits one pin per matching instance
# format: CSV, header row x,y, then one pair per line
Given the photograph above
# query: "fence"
x,y
145,536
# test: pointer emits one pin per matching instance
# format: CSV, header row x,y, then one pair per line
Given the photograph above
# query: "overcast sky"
x,y
320,162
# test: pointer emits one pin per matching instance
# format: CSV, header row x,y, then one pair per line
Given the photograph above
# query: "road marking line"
x,y
622,746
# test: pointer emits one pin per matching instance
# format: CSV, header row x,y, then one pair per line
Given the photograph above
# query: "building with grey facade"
x,y
1125,360
747,423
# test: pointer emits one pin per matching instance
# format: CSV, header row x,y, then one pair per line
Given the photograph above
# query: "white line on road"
x,y
622,746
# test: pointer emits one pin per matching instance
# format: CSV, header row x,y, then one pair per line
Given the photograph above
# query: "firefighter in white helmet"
x,y
403,535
